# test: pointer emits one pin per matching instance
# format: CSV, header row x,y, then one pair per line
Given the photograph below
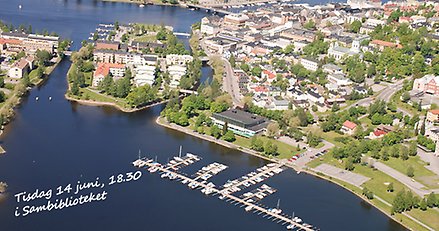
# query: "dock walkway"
x,y
256,208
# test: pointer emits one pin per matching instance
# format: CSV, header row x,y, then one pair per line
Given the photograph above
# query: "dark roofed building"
x,y
241,122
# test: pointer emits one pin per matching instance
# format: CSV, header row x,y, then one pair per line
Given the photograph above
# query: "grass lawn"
x,y
429,217
422,174
397,99
330,137
87,94
285,151
145,38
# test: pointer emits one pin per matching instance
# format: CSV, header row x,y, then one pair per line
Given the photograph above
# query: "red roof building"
x,y
348,127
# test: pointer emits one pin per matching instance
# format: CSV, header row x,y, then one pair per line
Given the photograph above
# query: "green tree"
x,y
405,97
349,164
335,107
229,136
256,71
106,83
232,61
423,205
256,144
270,148
410,171
432,200
390,187
141,96
43,57
355,26
215,131
122,87
367,193
413,149
404,152
310,25
75,88
26,81
272,129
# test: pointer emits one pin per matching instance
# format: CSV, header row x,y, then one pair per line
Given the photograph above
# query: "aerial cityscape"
x,y
219,115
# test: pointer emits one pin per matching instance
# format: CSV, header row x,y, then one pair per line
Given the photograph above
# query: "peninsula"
x,y
131,67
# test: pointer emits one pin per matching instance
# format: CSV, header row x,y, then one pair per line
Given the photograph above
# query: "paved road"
x,y
230,82
310,153
385,95
415,186
430,158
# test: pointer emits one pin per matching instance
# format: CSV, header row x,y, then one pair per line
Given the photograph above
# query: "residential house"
x,y
433,116
380,44
332,69
348,127
116,70
339,79
19,68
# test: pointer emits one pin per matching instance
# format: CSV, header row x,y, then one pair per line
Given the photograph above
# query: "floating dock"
x,y
170,170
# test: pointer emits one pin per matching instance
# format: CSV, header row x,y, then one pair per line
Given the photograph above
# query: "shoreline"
x,y
99,103
10,116
295,168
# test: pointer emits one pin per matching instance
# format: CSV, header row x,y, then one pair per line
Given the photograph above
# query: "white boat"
x,y
164,175
36,98
19,7
50,98
291,226
297,220
248,208
185,181
141,5
172,176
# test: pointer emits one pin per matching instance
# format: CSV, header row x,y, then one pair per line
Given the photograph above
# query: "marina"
x,y
248,200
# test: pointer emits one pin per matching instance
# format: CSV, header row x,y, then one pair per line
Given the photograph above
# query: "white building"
x,y
209,29
176,72
180,60
144,75
309,64
339,79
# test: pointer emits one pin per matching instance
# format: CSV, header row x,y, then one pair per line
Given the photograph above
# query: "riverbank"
x,y
115,105
20,90
385,207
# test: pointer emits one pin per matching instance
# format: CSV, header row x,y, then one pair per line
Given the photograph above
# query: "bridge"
x,y
188,91
182,34
204,58
208,9
68,53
